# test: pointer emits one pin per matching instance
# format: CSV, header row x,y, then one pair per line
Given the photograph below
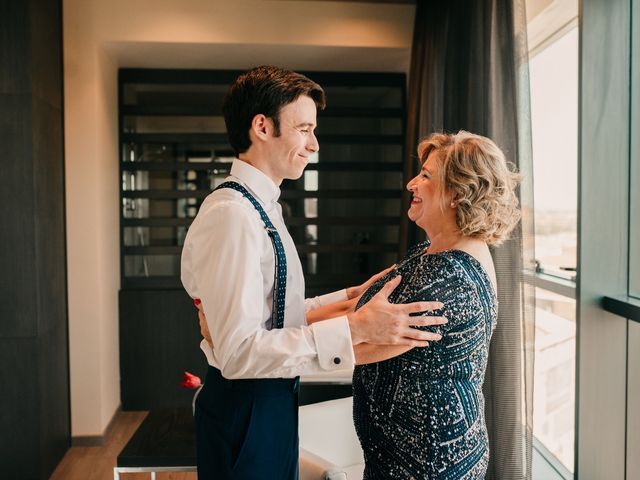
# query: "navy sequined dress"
x,y
420,415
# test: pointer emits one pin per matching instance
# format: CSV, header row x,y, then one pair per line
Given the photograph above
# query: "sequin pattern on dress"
x,y
420,415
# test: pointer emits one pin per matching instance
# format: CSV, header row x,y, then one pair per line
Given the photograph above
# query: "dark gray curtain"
x,y
469,71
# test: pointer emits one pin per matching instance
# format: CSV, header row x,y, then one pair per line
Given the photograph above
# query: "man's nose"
x,y
312,144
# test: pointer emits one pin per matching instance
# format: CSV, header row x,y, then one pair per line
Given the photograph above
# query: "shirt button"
x,y
337,360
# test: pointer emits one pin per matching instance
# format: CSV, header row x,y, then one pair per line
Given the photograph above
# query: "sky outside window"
x,y
554,118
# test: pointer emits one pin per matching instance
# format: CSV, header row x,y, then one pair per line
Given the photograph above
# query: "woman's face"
x,y
428,205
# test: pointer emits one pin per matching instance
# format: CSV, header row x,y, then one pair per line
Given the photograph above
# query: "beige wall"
x,y
99,37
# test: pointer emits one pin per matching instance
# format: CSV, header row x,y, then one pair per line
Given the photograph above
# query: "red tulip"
x,y
190,381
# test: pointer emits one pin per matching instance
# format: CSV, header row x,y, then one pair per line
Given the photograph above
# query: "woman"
x,y
419,413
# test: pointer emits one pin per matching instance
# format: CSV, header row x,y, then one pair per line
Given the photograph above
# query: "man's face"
x,y
289,153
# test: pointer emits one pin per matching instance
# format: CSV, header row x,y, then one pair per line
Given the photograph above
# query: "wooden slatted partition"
x,y
343,213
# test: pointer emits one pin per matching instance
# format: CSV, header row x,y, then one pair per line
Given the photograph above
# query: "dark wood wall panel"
x,y
48,181
46,66
17,308
34,370
19,412
54,409
14,47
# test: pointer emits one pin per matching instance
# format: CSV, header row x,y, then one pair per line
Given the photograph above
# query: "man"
x,y
239,259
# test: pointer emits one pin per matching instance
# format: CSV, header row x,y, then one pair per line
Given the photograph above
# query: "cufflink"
x,y
337,360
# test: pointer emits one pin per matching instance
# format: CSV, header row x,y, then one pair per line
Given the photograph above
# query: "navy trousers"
x,y
247,429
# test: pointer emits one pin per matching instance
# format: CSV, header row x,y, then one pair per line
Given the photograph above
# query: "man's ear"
x,y
261,126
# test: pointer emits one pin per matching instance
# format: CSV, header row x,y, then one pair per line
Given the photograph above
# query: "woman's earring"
x,y
454,204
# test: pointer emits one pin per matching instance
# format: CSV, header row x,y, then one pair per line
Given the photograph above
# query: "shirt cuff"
x,y
333,344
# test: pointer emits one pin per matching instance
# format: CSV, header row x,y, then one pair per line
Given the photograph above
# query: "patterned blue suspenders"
x,y
280,271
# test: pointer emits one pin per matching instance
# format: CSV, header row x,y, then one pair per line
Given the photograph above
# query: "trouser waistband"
x,y
259,386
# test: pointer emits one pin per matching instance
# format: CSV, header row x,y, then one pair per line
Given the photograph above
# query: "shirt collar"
x,y
259,183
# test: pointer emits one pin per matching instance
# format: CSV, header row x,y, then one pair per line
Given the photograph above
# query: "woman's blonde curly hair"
x,y
483,184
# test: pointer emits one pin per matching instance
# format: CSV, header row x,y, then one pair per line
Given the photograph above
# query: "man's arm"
x,y
364,352
222,261
222,254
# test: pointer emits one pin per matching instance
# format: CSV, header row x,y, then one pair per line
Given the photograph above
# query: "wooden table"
x,y
164,442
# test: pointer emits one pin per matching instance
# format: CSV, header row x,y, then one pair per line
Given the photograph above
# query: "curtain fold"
x,y
469,70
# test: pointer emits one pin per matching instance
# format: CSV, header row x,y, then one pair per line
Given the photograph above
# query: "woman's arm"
x,y
338,309
368,353
332,310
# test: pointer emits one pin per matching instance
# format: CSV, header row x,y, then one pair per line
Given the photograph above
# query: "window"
x,y
554,118
553,69
554,376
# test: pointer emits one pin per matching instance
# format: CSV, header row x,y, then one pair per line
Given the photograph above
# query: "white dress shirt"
x,y
228,262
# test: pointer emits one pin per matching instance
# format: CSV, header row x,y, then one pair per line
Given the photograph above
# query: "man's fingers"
x,y
388,269
421,336
416,343
418,307
390,286
427,321
428,336
381,274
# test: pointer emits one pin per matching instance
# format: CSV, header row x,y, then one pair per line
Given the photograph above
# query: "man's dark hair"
x,y
263,90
